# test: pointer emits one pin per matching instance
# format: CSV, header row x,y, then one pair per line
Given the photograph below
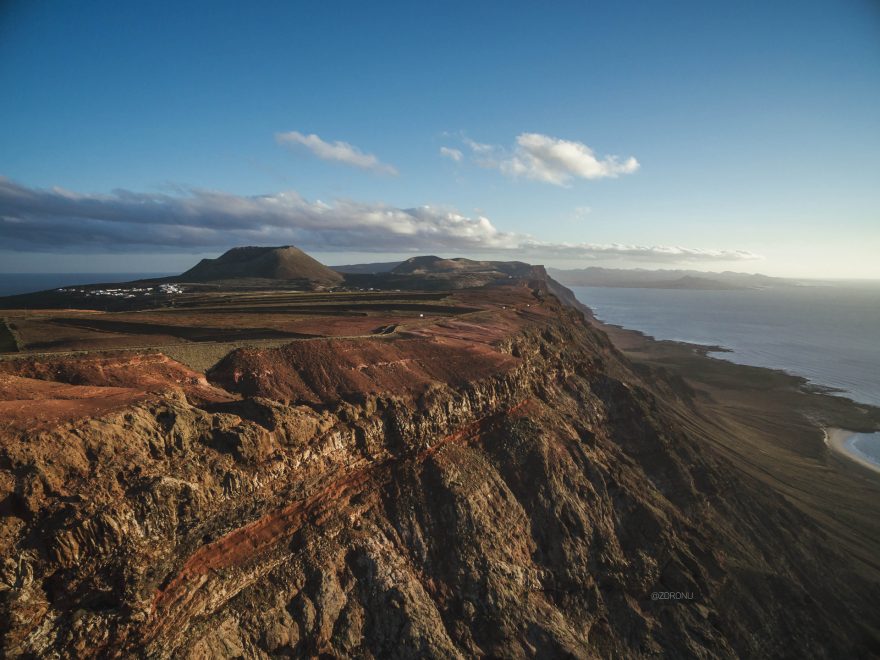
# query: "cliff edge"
x,y
499,483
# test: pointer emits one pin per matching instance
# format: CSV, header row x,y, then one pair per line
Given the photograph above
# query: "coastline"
x,y
838,440
833,360
701,365
715,352
770,425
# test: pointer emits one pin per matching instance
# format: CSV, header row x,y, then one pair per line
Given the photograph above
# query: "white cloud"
x,y
340,152
479,147
62,220
550,160
453,154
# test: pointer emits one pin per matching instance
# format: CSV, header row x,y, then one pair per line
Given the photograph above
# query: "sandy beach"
x,y
837,440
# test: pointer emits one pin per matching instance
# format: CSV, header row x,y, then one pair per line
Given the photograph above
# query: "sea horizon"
x,y
12,284
826,335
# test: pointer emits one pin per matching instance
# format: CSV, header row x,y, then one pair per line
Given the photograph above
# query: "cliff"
x,y
500,484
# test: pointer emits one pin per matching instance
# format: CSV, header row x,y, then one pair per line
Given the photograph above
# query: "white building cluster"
x,y
127,292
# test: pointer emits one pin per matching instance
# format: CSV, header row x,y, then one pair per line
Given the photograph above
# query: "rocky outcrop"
x,y
521,499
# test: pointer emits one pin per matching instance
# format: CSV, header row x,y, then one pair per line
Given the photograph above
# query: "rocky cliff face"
x,y
521,493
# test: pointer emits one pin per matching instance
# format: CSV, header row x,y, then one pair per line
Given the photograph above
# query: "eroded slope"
x,y
501,485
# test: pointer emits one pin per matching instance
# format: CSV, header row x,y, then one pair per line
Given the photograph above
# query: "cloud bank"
x,y
57,220
548,159
340,152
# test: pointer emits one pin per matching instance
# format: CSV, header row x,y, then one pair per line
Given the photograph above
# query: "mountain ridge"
x,y
664,278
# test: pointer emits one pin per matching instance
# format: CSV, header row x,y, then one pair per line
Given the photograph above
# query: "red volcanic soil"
x,y
144,370
323,371
452,352
422,353
30,404
40,394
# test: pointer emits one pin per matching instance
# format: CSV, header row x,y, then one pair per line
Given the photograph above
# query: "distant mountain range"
x,y
292,264
664,279
592,276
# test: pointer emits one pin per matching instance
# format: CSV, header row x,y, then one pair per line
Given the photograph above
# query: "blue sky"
x,y
139,136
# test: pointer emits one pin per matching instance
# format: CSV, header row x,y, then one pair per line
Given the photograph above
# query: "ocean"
x,y
827,334
866,446
15,283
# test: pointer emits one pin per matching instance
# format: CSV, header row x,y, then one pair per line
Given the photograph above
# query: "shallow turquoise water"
x,y
866,446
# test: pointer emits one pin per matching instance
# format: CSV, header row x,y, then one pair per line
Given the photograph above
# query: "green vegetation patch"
x,y
8,344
